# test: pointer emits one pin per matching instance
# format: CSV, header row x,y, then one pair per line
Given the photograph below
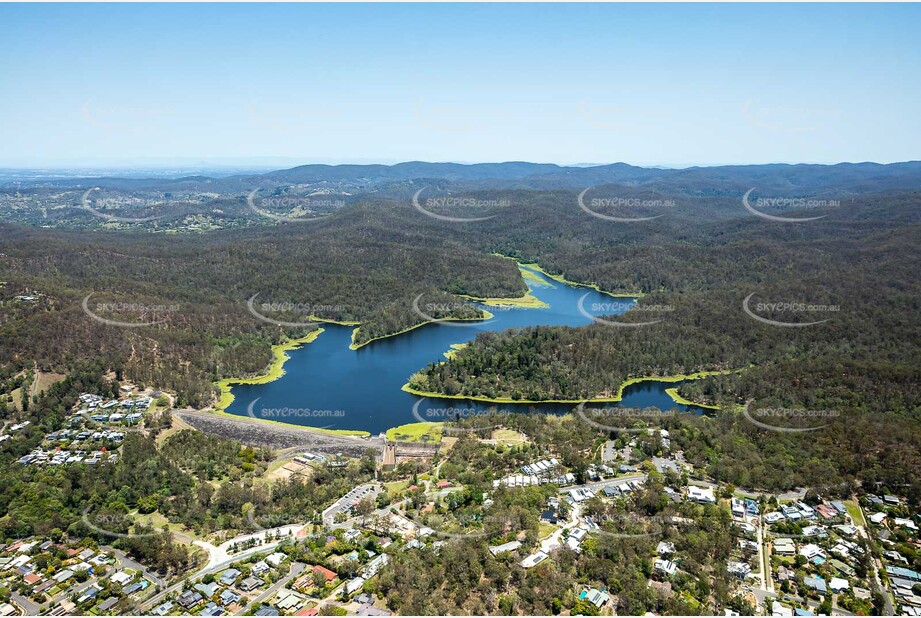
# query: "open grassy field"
x,y
44,380
158,520
394,488
16,394
854,511
508,436
415,432
177,425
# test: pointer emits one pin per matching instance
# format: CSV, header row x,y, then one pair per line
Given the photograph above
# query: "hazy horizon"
x,y
651,85
195,163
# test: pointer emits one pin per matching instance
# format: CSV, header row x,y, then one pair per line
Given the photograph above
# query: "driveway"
x,y
219,558
28,606
296,569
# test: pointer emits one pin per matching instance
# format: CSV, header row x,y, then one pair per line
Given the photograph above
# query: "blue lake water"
x,y
328,385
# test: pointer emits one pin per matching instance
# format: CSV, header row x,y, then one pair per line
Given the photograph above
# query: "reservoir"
x,y
328,385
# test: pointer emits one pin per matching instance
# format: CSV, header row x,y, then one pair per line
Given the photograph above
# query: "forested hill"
x,y
861,259
785,179
366,262
363,264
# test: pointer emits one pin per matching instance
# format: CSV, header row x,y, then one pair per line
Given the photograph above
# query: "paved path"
x,y
125,561
764,557
553,541
762,595
27,605
219,558
797,494
877,564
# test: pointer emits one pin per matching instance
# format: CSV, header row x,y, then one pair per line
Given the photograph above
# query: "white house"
x,y
665,548
121,578
534,559
667,567
597,597
499,549
701,495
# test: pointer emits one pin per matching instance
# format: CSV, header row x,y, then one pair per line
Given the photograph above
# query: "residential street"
x,y
296,569
125,561
219,559
31,608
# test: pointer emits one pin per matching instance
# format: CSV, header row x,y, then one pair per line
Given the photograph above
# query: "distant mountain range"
x,y
778,179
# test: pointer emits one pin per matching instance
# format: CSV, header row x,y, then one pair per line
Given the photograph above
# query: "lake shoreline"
x,y
352,346
565,281
279,354
275,369
274,372
672,392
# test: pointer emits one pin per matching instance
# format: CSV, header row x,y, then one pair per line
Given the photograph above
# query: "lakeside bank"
x,y
356,346
368,388
672,392
274,372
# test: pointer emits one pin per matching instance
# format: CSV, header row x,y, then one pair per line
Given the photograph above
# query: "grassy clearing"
x,y
158,520
528,301
785,560
44,380
447,443
415,432
394,488
854,511
177,426
508,436
532,278
16,394
455,348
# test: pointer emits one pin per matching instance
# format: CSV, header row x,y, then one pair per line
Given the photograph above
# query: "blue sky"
x,y
650,84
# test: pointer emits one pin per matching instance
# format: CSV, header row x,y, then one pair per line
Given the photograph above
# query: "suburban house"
x,y
249,584
665,548
229,577
596,597
816,583
701,495
666,567
505,547
784,546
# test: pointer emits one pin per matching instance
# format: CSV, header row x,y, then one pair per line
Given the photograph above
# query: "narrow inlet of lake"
x,y
327,385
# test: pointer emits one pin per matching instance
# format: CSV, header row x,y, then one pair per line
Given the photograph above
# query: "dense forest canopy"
x,y
218,290
367,262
